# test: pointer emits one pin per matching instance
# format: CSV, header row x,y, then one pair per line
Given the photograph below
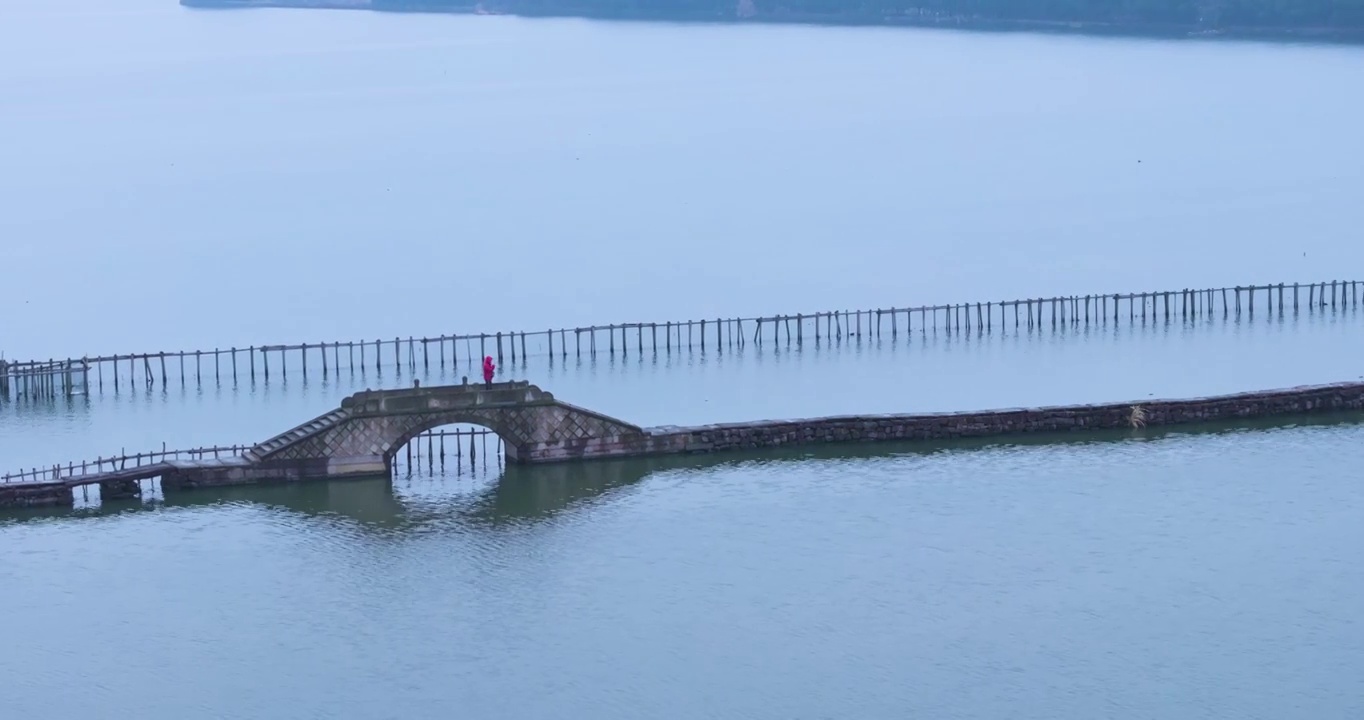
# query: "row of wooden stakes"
x,y
53,378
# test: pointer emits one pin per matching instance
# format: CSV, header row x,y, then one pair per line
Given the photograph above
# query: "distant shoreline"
x,y
1278,34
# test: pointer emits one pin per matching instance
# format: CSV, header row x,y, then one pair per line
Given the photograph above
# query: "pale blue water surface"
x,y
1184,577
174,179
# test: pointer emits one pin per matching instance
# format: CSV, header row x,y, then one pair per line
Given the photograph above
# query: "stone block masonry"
x,y
23,495
1003,423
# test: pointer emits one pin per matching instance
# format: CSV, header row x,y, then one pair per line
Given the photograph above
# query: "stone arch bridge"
x,y
371,426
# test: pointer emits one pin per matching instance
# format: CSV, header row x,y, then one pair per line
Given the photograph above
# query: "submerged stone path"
x,y
361,438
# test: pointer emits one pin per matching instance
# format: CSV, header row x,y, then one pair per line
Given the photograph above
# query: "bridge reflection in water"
x,y
453,449
503,494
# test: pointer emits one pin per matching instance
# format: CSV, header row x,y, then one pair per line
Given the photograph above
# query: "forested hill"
x,y
1326,15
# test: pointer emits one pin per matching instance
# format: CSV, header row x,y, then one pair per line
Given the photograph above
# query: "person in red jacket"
x,y
488,368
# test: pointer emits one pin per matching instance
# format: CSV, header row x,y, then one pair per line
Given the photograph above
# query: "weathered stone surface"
x,y
21,495
119,490
537,428
533,425
943,426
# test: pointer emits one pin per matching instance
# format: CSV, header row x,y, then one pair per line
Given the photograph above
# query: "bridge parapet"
x,y
445,398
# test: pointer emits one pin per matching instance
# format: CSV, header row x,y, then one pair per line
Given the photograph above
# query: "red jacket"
x,y
488,368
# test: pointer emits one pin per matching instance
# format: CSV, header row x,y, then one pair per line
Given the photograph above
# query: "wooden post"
x,y
251,355
398,356
198,373
265,358
163,370
703,335
323,348
611,339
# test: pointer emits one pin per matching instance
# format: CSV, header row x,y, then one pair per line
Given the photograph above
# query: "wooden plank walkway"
x,y
148,465
137,466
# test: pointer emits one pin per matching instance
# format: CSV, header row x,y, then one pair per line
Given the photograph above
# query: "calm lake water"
x,y
179,179
1183,577
176,179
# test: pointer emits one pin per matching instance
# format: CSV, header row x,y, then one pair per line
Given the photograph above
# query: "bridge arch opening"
x,y
451,447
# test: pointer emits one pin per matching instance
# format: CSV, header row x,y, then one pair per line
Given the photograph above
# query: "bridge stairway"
x,y
295,435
